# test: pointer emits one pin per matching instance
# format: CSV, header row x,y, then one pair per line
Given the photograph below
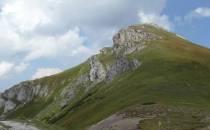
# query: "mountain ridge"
x,y
141,68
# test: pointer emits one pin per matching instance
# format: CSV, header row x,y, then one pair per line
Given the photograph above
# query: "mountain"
x,y
150,79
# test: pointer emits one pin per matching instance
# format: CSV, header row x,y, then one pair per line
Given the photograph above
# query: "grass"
x,y
44,108
179,120
173,72
29,110
155,86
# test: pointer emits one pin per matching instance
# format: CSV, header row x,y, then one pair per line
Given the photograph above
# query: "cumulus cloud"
x,y
43,72
19,36
67,44
158,19
23,14
202,11
42,29
5,68
11,68
197,13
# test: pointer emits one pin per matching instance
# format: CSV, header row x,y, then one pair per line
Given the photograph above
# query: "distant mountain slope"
x,y
149,79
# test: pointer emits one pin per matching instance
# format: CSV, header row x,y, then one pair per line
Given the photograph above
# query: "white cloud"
x,y
10,68
18,32
67,44
202,11
5,68
153,18
42,72
24,15
21,67
48,29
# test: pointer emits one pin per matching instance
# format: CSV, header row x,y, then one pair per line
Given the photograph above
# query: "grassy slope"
x,y
55,84
173,72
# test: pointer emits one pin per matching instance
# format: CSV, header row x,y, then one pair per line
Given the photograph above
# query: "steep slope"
x,y
149,79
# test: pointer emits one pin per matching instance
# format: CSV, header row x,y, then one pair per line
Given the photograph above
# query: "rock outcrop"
x,y
21,94
132,39
121,65
68,94
97,71
126,41
9,105
2,102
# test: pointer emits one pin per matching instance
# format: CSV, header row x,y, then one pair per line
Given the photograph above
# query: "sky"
x,y
43,37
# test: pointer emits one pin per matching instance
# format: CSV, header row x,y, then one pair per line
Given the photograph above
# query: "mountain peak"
x,y
133,38
134,34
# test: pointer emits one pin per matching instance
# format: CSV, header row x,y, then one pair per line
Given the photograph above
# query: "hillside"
x,y
149,79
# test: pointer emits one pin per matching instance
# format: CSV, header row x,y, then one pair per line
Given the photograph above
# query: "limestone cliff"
x,y
21,94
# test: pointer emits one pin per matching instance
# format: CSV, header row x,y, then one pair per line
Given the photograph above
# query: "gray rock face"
x,y
21,94
132,35
68,94
2,102
121,65
125,41
97,72
83,79
128,40
25,92
9,105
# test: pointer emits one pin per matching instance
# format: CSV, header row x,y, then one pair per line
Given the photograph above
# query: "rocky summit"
x,y
149,79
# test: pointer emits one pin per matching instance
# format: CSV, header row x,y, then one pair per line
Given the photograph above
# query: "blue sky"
x,y
44,37
196,30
